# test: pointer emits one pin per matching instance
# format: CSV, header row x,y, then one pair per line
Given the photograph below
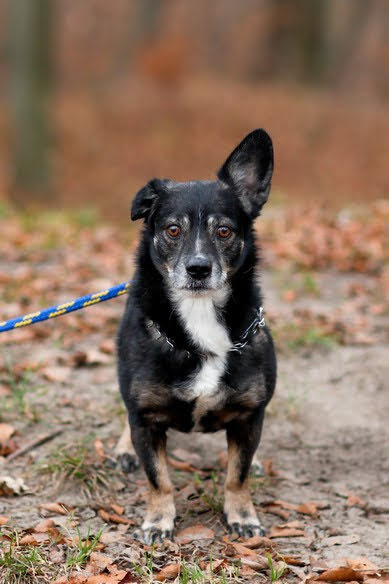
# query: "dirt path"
x,y
325,440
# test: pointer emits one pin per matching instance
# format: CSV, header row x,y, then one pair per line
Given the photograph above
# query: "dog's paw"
x,y
154,535
246,530
128,462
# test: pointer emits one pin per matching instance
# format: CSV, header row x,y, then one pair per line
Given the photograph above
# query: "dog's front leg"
x,y
124,451
150,446
243,439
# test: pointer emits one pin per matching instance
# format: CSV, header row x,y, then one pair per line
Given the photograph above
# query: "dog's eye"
x,y
224,231
173,231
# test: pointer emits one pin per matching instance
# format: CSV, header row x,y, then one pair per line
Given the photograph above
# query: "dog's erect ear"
x,y
249,169
146,198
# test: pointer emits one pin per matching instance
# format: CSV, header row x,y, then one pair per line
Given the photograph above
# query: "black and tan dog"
x,y
194,353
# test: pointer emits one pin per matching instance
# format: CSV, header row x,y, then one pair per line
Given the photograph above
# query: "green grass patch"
x,y
291,337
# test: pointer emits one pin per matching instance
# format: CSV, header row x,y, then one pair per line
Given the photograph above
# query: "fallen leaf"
x,y
213,567
4,390
363,564
340,540
276,510
292,529
294,561
355,501
7,446
99,448
169,572
194,533
6,431
114,518
185,456
10,486
56,508
268,467
258,563
34,539
98,562
223,458
107,346
183,466
258,541
3,519
56,374
44,526
339,575
117,508
242,550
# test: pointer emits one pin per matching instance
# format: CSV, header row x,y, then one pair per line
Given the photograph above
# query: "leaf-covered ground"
x,y
67,514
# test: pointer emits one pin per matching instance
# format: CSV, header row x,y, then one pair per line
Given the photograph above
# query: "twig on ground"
x,y
42,439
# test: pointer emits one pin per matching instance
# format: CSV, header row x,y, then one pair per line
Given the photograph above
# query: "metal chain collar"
x,y
257,323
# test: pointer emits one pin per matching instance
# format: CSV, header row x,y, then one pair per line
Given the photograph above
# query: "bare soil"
x,y
325,439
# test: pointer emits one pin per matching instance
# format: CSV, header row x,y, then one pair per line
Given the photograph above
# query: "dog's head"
x,y
199,230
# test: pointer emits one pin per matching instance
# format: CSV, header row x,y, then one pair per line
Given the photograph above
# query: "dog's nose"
x,y
199,268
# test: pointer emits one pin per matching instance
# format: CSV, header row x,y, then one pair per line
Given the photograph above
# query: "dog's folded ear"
x,y
249,169
146,199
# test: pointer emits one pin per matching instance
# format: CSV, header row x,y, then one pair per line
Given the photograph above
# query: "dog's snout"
x,y
199,268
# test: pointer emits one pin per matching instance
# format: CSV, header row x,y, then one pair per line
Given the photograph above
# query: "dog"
x,y
194,352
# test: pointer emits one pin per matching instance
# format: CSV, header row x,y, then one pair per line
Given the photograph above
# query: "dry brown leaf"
x,y
257,541
293,561
56,508
3,519
242,550
292,529
183,455
107,346
6,431
183,466
276,510
223,458
117,508
114,518
44,526
258,563
169,572
355,501
56,374
194,533
7,446
363,564
268,467
98,562
10,486
99,448
342,574
340,540
34,539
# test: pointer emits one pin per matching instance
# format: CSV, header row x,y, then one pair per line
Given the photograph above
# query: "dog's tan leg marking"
x,y
125,444
238,506
125,452
159,520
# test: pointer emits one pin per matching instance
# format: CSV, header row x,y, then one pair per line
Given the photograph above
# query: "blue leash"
x,y
64,308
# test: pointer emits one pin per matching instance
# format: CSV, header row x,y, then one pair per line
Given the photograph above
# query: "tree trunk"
x,y
31,75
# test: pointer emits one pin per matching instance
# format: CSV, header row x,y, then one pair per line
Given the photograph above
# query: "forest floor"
x,y
67,514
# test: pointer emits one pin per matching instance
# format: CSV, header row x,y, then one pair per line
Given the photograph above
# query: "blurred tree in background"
x,y
152,72
30,38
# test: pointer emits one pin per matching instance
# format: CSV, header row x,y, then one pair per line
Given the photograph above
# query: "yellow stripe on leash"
x,y
32,315
56,313
99,294
66,305
89,302
23,323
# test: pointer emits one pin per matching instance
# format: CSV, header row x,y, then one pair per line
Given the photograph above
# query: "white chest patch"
x,y
198,315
